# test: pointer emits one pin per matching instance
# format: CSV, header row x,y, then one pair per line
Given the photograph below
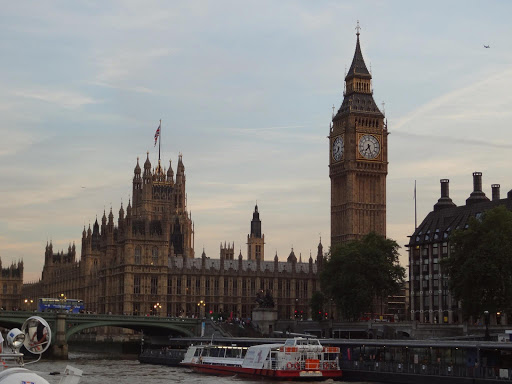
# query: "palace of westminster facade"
x,y
146,264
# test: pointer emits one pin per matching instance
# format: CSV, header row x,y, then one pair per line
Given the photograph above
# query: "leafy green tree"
x,y
480,263
358,272
317,305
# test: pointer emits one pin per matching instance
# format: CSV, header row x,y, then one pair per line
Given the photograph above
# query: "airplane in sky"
x,y
487,46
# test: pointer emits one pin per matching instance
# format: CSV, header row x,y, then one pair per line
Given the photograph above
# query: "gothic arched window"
x,y
155,255
138,255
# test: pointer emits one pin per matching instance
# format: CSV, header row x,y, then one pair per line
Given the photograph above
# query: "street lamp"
x,y
28,304
201,306
62,302
156,307
486,319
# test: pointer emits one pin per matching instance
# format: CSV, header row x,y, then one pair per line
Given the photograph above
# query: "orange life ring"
x,y
297,365
289,365
326,365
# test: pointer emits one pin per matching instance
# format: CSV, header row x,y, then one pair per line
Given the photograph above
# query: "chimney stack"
x,y
445,188
444,201
477,196
477,181
495,192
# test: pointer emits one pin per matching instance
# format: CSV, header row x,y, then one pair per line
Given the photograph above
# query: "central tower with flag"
x,y
358,158
160,206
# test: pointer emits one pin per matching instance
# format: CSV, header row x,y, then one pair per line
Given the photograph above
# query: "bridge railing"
x,y
149,319
81,316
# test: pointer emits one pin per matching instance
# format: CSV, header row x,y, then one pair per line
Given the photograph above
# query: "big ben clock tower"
x,y
358,159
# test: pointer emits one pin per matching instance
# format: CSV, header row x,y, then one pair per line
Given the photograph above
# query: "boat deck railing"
x,y
303,365
434,369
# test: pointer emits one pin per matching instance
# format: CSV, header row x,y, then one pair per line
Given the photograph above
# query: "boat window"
x,y
233,352
289,342
197,352
217,352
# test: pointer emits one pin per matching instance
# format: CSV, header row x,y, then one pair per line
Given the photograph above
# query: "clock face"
x,y
369,146
337,148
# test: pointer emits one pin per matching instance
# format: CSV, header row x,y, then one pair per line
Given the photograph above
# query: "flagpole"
x,y
415,210
159,140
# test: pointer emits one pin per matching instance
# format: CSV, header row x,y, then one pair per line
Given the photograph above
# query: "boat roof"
x,y
267,345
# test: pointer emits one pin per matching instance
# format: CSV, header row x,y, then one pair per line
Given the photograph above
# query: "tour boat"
x,y
298,358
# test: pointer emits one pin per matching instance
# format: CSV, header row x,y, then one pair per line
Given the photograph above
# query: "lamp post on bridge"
x,y
62,300
29,305
201,306
156,308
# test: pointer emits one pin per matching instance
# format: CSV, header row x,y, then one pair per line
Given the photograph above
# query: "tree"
x,y
480,263
317,306
357,272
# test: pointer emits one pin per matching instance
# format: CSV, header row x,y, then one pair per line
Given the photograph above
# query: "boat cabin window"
x,y
197,352
235,352
289,343
216,352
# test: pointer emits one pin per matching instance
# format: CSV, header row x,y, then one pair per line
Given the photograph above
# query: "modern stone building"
x,y
430,299
11,282
358,161
144,264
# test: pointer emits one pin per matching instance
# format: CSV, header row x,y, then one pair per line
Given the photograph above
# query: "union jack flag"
x,y
157,133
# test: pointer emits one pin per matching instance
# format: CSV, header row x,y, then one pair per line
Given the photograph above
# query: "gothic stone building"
x,y
358,161
145,263
11,282
430,298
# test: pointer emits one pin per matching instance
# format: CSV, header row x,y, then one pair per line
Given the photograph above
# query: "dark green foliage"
x,y
358,272
317,306
480,264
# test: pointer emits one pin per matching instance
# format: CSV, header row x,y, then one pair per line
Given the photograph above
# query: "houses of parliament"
x,y
144,262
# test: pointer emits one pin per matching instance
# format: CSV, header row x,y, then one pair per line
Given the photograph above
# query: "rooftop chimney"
x,y
444,201
477,196
495,192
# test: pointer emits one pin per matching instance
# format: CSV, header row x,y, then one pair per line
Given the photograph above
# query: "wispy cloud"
x,y
63,98
121,68
476,100
452,139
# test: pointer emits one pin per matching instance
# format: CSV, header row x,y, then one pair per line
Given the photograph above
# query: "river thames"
x,y
124,369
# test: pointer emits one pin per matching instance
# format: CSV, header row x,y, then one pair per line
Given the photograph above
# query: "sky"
x,y
245,91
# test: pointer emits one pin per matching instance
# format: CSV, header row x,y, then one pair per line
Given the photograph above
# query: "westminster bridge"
x,y
64,325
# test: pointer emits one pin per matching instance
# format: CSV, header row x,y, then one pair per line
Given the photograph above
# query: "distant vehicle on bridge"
x,y
60,305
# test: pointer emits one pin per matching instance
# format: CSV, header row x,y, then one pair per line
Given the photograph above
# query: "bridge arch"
x,y
127,324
